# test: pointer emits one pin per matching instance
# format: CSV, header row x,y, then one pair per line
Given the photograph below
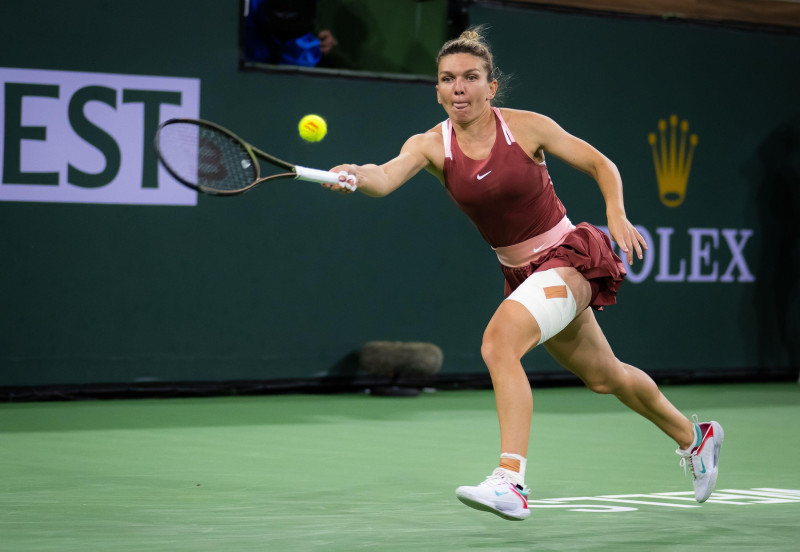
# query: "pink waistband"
x,y
520,254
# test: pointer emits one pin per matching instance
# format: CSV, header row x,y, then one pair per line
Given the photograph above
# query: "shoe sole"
x,y
482,506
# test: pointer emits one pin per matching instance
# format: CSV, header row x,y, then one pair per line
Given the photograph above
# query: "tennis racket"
x,y
211,159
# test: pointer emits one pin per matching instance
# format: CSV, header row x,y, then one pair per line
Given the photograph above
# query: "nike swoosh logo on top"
x,y
537,249
702,466
484,175
498,493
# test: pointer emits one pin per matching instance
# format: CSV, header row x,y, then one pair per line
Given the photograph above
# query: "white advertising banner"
x,y
73,137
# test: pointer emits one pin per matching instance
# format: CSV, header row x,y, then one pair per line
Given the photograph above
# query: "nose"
x,y
459,87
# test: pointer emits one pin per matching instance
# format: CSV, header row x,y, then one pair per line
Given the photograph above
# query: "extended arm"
x,y
380,180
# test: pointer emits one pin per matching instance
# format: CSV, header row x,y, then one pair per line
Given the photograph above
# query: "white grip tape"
x,y
316,175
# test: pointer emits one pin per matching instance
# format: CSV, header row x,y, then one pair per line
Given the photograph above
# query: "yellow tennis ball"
x,y
312,128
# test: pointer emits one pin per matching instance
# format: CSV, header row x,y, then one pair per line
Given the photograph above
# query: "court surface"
x,y
355,472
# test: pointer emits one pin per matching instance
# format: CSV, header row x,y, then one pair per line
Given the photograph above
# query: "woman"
x,y
491,161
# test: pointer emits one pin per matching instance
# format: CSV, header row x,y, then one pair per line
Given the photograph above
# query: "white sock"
x,y
517,478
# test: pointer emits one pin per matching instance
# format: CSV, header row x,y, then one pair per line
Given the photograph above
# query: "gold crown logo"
x,y
672,160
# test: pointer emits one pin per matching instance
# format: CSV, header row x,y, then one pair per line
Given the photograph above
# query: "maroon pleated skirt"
x,y
588,250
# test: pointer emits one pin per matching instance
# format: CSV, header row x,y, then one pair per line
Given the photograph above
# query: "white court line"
x,y
736,497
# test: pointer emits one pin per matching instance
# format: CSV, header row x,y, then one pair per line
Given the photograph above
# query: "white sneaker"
x,y
497,495
703,460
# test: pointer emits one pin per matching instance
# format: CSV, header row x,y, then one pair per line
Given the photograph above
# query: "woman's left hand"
x,y
627,237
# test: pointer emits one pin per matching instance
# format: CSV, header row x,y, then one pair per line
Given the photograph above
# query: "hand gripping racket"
x,y
213,160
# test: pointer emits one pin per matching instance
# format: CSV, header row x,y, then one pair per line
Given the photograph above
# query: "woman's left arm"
x,y
583,156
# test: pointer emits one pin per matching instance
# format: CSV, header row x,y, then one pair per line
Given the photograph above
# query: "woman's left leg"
x,y
583,349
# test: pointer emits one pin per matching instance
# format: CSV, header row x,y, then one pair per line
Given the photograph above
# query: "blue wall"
x,y
286,281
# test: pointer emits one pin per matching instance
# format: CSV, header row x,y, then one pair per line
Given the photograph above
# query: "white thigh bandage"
x,y
549,299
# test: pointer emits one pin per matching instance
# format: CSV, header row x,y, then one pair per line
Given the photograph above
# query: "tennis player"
x,y
492,163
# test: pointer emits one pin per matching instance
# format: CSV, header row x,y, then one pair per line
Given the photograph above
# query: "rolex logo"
x,y
672,157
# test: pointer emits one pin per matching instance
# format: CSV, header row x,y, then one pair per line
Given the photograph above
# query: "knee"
x,y
601,386
494,352
490,351
605,379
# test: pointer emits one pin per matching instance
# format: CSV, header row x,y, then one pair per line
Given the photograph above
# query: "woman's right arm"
x,y
381,180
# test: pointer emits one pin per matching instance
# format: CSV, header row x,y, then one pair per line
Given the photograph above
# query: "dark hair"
x,y
472,42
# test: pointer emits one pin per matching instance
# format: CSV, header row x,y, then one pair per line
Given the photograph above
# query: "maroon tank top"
x,y
508,196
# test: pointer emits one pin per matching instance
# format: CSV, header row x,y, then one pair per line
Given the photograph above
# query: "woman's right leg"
x,y
511,332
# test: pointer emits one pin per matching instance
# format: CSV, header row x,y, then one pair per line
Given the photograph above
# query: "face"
x,y
464,89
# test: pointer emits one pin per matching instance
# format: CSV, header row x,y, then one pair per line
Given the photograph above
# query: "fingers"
x,y
638,249
348,181
631,242
640,244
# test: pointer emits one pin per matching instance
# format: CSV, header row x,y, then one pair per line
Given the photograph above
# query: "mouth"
x,y
460,105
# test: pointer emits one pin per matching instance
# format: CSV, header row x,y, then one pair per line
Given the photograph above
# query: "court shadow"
x,y
335,410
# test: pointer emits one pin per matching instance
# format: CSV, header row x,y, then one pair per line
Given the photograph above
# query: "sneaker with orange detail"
x,y
497,495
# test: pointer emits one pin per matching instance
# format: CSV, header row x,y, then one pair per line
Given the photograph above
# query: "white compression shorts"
x,y
548,298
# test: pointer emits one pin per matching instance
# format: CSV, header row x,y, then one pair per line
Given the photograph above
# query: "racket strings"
x,y
206,158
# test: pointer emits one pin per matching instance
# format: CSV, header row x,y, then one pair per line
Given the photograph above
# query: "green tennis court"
x,y
355,472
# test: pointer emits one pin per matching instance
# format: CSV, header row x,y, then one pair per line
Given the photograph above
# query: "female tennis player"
x,y
492,163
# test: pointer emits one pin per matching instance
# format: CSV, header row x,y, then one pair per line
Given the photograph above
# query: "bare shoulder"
x,y
537,134
527,121
430,145
530,130
432,137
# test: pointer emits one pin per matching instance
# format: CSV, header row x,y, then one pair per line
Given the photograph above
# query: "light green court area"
x,y
356,472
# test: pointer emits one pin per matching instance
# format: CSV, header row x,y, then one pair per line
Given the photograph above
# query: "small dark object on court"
x,y
407,360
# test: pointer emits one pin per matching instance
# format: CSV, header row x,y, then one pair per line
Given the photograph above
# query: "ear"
x,y
492,90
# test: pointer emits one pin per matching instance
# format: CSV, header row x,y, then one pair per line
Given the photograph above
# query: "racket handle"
x,y
316,175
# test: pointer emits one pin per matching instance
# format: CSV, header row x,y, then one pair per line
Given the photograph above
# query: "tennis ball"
x,y
312,128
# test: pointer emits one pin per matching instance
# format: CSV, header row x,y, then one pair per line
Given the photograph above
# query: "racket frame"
x,y
296,172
